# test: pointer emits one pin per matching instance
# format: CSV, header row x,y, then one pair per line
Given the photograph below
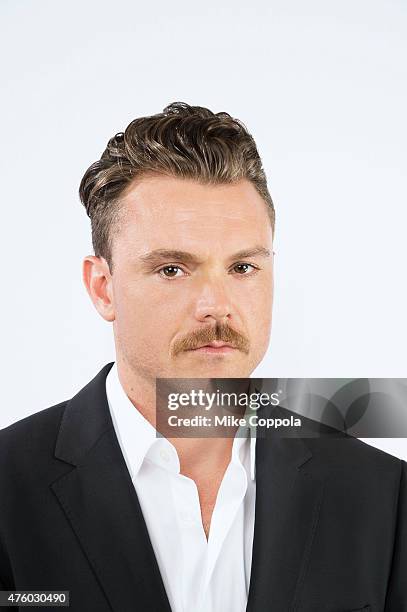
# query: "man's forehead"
x,y
176,214
175,198
196,241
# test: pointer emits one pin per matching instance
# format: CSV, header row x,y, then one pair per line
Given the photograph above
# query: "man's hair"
x,y
183,141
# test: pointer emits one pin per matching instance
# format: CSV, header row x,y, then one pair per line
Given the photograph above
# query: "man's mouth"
x,y
215,347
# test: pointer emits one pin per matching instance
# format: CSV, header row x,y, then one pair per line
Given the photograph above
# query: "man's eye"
x,y
243,269
170,271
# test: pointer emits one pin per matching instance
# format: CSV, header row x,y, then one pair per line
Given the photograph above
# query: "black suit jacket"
x,y
330,523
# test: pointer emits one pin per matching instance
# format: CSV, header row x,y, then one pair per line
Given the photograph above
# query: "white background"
x,y
322,88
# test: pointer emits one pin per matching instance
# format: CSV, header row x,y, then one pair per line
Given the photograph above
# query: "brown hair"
x,y
183,141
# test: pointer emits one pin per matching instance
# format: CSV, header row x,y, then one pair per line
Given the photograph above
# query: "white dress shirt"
x,y
199,575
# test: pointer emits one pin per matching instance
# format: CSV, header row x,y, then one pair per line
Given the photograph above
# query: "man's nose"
x,y
213,302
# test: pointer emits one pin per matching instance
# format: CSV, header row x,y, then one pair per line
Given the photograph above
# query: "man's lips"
x,y
216,347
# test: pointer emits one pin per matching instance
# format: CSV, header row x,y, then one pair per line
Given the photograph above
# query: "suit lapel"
x,y
101,505
288,501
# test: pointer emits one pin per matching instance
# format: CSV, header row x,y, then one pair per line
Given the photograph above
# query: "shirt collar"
x,y
135,434
137,437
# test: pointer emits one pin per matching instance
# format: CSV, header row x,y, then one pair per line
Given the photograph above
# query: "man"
x,y
93,502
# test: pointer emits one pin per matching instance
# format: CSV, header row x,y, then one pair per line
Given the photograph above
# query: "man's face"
x,y
181,279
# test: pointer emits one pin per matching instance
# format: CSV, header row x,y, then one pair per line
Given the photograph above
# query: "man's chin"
x,y
202,364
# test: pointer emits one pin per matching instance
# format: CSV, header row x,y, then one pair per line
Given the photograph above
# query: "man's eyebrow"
x,y
255,251
158,255
168,255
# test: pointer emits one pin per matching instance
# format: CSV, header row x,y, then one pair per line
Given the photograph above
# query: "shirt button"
x,y
164,455
187,518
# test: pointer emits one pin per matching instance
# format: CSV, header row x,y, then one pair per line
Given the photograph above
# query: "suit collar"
x,y
88,406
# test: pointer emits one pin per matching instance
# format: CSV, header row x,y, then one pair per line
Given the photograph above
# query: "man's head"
x,y
182,229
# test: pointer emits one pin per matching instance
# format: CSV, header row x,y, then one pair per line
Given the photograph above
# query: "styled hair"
x,y
183,141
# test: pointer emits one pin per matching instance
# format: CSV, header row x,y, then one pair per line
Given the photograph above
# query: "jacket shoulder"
x,y
353,454
32,436
33,421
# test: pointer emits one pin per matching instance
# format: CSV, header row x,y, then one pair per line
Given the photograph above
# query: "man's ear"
x,y
98,282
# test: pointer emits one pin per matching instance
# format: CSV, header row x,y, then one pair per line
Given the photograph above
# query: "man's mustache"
x,y
221,332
